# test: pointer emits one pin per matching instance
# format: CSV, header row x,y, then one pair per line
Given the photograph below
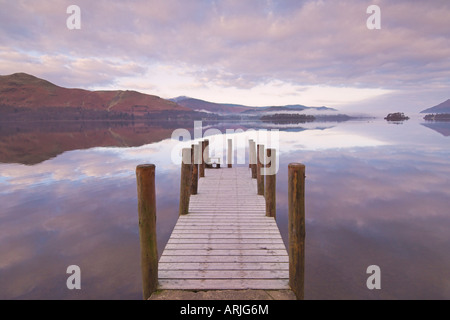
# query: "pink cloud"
x,y
240,44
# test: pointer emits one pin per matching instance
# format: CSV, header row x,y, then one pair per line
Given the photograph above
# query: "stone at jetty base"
x,y
223,295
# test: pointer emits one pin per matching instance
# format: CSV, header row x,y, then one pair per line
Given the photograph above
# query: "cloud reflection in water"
x,y
373,197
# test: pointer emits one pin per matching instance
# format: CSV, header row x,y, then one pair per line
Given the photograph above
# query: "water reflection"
x,y
440,127
35,142
370,208
376,194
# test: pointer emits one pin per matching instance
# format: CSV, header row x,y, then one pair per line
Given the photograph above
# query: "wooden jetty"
x,y
226,237
226,241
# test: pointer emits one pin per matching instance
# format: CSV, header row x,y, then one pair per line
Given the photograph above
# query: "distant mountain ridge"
x,y
21,90
225,108
443,107
202,105
24,97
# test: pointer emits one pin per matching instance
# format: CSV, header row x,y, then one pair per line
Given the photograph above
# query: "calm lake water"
x,y
376,194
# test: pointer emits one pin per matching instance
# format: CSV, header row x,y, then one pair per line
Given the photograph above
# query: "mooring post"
x,y
259,168
271,182
206,156
145,177
253,162
230,153
202,159
296,203
194,162
250,153
185,181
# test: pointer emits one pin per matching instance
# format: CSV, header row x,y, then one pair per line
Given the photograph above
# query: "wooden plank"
x,y
229,219
224,266
211,231
228,284
223,259
225,236
215,228
220,209
221,212
225,246
226,204
201,223
222,224
242,220
223,274
228,231
255,208
226,241
228,216
219,252
219,225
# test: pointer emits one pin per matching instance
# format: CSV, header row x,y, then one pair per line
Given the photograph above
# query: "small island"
x,y
437,117
293,118
397,116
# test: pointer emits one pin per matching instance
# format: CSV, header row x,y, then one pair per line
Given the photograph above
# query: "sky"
x,y
253,52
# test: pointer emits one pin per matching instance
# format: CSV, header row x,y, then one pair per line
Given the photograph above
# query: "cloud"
x,y
232,44
67,70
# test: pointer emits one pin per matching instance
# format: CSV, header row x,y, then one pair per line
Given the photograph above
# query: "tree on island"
x,y
288,118
438,117
397,116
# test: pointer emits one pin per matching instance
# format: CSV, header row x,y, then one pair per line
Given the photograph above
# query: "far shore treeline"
x,y
24,97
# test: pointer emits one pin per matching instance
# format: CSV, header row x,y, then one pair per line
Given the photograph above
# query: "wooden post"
x,y
145,177
207,160
185,181
253,162
194,162
250,153
259,168
202,163
271,182
230,153
296,202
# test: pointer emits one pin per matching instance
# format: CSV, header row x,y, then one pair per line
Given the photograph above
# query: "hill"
x,y
443,107
227,108
202,105
26,97
21,91
295,108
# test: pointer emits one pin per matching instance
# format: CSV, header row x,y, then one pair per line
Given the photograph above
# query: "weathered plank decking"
x,y
226,241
